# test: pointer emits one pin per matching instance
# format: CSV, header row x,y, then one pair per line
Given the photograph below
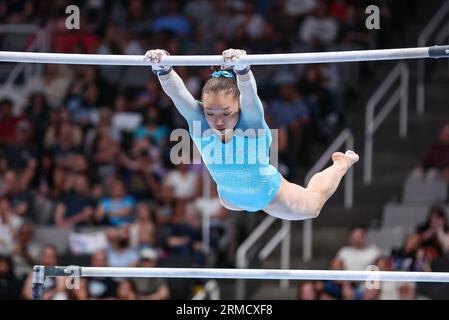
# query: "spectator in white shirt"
x,y
9,224
299,7
358,255
184,185
320,29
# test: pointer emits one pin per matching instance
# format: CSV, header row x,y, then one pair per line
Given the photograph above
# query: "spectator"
x,y
307,291
81,292
55,288
9,285
185,237
14,187
143,230
320,29
430,230
25,252
112,40
127,290
136,19
65,145
436,160
84,107
172,21
147,98
8,121
152,129
57,119
76,207
358,256
184,185
338,9
120,254
249,22
102,128
291,112
143,171
9,224
219,218
199,9
166,206
116,209
21,154
54,83
353,31
17,11
407,258
391,290
340,290
105,158
151,288
316,88
98,287
299,7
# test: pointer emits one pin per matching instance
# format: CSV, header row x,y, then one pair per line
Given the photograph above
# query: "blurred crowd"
x,y
89,149
424,250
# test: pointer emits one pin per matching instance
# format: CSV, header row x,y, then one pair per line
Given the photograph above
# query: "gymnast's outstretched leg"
x,y
294,202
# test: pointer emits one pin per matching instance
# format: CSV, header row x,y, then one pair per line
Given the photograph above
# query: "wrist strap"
x,y
162,72
244,71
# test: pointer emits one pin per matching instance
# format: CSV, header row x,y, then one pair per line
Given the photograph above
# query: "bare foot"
x,y
347,159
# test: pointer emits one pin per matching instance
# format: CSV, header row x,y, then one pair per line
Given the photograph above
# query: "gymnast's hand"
x,y
154,57
232,56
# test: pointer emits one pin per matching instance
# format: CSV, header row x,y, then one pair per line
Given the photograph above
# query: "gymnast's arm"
x,y
173,86
186,104
250,103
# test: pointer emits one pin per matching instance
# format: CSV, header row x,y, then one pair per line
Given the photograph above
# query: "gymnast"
x,y
229,102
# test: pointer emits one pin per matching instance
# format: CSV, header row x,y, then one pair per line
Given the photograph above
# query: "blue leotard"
x,y
240,167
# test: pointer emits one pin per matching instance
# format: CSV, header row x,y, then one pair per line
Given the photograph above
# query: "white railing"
x,y
423,38
206,218
344,138
39,43
243,259
401,74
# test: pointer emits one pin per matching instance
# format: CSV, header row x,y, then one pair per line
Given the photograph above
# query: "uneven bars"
x,y
210,60
269,274
41,272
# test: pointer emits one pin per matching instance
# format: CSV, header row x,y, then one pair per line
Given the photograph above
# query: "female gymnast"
x,y
230,102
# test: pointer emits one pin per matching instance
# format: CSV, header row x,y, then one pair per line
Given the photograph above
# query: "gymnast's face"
x,y
221,110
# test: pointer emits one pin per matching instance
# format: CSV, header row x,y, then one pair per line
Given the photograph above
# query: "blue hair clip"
x,y
222,73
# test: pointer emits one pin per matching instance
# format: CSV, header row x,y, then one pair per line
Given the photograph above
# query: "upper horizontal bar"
x,y
212,60
262,274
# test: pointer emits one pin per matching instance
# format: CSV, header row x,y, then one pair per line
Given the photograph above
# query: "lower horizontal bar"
x,y
261,274
210,60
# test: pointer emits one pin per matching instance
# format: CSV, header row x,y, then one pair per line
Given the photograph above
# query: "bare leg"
x,y
294,202
326,182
